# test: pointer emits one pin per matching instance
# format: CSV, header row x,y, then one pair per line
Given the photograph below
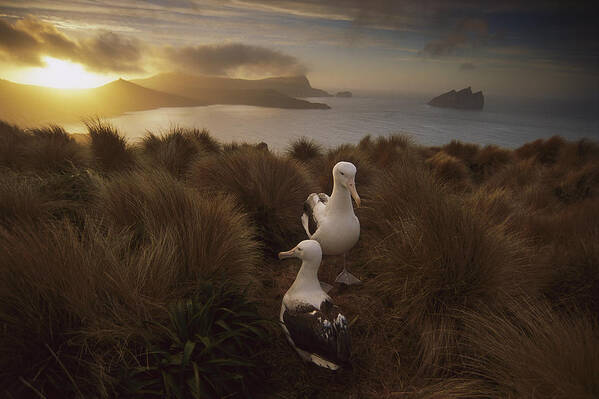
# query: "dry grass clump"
x,y
304,149
579,184
52,284
464,151
385,150
543,151
489,160
48,149
173,151
322,168
52,148
449,169
432,257
22,200
271,189
29,198
181,237
530,351
110,150
244,147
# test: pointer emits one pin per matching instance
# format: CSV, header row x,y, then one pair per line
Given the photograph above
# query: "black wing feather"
x,y
323,332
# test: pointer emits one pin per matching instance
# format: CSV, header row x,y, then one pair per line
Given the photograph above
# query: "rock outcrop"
x,y
463,99
345,94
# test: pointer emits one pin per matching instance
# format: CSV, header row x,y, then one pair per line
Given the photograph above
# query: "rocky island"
x,y
463,99
346,94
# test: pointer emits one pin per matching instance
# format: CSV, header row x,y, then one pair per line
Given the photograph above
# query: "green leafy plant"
x,y
207,349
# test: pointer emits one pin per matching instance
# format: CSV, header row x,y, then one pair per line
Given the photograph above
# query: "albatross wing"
x,y
321,336
314,209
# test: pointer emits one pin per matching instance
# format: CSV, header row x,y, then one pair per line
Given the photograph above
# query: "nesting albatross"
x,y
314,326
336,226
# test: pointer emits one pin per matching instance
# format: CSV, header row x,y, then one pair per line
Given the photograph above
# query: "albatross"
x,y
314,326
337,228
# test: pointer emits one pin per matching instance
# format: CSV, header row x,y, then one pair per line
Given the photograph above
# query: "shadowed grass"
x,y
322,168
185,238
449,169
304,149
109,148
530,351
432,256
51,285
271,189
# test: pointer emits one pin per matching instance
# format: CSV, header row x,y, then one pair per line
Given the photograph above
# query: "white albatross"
x,y
314,326
337,229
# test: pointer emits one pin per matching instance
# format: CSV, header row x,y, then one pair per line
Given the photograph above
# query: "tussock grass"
x,y
464,151
479,266
449,169
527,350
178,148
180,237
271,189
13,146
322,167
47,149
110,150
30,198
433,256
543,151
51,285
304,149
52,148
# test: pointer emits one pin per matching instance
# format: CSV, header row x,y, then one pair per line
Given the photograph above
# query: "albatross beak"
x,y
287,254
354,193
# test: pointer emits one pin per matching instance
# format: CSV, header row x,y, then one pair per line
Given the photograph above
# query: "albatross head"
x,y
308,251
344,173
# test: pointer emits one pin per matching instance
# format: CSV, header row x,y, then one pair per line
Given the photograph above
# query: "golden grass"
x,y
480,265
270,189
110,150
183,238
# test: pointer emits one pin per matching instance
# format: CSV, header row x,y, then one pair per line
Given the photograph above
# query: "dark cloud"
x,y
28,40
469,33
227,59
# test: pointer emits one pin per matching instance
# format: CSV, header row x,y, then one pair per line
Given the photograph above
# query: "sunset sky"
x,y
531,49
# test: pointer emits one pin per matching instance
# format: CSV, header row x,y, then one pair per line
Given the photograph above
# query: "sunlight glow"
x,y
62,74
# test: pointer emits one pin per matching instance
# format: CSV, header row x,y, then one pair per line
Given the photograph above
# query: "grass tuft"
x,y
304,149
109,148
270,189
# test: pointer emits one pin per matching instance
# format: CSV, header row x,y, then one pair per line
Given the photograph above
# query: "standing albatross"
x,y
337,228
314,326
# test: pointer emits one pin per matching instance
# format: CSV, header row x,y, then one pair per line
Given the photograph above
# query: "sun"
x,y
62,74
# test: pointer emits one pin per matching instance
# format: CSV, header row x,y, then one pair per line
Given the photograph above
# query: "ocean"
x,y
503,122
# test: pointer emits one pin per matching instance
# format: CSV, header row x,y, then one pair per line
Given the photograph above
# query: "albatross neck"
x,y
340,200
307,278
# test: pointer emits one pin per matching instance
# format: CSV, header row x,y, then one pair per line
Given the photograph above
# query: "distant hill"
x,y
29,105
195,86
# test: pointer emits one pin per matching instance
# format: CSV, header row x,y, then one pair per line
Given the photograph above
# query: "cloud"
x,y
227,59
469,33
28,40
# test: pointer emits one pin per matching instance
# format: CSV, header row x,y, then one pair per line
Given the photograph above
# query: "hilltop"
x,y
35,104
32,105
196,86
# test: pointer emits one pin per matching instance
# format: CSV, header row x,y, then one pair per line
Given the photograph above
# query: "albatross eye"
x,y
342,174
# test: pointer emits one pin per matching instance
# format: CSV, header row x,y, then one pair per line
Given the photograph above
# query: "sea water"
x,y
503,122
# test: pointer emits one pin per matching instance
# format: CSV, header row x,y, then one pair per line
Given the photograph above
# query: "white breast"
x,y
337,234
